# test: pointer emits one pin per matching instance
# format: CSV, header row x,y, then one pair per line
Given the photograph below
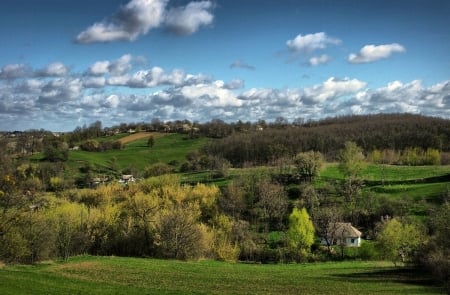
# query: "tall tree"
x,y
300,235
351,160
351,164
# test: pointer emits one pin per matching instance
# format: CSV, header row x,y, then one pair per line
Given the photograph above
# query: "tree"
x,y
309,164
143,209
351,164
398,241
55,150
151,141
300,235
181,237
325,217
308,198
272,204
351,160
435,255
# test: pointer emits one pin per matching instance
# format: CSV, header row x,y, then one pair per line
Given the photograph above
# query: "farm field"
x,y
116,275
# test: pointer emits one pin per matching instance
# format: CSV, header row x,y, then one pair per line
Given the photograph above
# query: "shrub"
x,y
157,170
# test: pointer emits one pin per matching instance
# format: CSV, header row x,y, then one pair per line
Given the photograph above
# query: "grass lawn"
x,y
116,275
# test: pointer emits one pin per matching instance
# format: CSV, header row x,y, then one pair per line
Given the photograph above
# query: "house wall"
x,y
349,242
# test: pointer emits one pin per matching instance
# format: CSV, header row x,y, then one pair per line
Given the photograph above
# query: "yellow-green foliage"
x,y
397,240
300,235
224,248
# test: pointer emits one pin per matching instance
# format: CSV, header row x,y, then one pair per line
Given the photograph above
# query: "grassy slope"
x,y
138,155
416,182
115,275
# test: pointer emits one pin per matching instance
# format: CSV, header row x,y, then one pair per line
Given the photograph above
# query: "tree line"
x,y
395,133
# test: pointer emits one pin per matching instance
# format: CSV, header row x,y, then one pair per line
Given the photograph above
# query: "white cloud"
x,y
14,71
138,17
412,97
116,68
212,94
310,42
94,82
113,101
188,19
242,65
155,77
99,68
318,60
61,90
332,88
106,91
56,69
121,65
371,53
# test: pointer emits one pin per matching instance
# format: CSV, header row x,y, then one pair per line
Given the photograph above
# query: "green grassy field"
x,y
137,154
414,182
116,275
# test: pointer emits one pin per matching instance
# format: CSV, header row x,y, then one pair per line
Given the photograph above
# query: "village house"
x,y
127,178
343,234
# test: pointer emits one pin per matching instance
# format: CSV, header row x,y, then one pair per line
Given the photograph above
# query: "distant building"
x,y
127,178
343,234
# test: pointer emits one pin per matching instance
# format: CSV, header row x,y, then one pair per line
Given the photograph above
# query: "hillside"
x,y
136,154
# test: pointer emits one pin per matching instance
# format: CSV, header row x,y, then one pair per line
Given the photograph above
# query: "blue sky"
x,y
68,63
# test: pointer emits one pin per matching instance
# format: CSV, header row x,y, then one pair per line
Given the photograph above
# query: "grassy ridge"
x,y
116,275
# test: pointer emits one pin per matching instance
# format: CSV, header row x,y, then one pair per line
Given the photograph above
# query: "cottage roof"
x,y
127,177
343,229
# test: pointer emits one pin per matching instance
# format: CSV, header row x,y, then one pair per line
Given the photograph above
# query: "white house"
x,y
127,178
342,233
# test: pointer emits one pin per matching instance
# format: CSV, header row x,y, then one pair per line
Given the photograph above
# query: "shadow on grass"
x,y
411,276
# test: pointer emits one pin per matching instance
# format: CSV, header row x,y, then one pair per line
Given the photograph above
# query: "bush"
x,y
157,170
367,251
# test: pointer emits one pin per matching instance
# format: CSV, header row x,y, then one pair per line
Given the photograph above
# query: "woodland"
x,y
256,192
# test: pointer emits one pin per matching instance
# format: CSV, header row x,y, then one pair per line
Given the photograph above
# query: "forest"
x,y
255,192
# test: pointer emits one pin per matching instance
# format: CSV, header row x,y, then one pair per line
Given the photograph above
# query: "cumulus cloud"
x,y
318,60
56,69
60,90
99,68
188,19
311,42
332,88
14,71
371,53
242,65
138,17
412,97
107,91
118,67
94,82
156,77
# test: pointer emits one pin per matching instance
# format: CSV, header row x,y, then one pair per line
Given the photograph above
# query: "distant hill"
x,y
383,131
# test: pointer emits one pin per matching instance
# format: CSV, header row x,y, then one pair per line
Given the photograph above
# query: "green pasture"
x,y
116,275
390,173
172,147
417,183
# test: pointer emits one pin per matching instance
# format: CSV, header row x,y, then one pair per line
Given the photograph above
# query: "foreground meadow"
x,y
115,275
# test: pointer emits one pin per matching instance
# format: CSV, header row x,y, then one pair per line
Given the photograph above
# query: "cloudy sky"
x,y
67,63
